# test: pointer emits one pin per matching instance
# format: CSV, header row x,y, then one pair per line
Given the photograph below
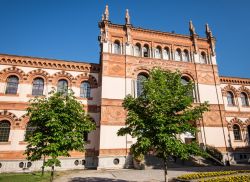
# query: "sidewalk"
x,y
131,175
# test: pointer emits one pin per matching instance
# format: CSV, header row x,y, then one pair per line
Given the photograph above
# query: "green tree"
x,y
59,124
162,112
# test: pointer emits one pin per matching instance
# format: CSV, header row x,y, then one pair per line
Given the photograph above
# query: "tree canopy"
x,y
59,123
160,114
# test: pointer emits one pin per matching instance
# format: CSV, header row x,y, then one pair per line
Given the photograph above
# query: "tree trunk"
x,y
165,170
43,165
52,174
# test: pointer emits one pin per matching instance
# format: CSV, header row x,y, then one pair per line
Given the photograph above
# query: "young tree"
x,y
158,116
59,123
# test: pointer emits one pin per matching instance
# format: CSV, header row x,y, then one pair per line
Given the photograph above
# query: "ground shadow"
x,y
95,179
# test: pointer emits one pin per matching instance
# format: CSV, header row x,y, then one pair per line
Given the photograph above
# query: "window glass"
x,y
185,56
203,58
145,51
62,86
137,50
244,99
38,85
12,85
230,98
178,55
85,90
166,54
158,53
236,131
29,130
117,47
4,131
140,79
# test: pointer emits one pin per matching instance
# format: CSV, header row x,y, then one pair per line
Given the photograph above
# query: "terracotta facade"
x,y
127,51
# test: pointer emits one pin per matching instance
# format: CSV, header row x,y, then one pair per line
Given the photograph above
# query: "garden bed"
x,y
217,176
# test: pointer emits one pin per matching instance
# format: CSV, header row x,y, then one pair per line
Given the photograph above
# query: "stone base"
x,y
66,164
114,162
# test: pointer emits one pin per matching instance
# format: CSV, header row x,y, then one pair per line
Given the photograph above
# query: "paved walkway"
x,y
131,175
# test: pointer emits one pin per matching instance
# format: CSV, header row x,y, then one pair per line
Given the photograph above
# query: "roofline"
x,y
49,59
158,32
233,77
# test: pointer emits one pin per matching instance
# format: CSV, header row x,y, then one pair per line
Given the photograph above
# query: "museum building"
x,y
127,54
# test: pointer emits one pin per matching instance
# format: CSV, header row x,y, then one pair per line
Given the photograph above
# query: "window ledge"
x,y
9,95
33,96
238,140
5,143
23,143
81,98
229,105
245,106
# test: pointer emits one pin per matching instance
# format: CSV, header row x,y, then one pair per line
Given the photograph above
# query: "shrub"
x,y
210,174
241,178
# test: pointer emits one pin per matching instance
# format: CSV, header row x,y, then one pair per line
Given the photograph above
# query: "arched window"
x,y
244,99
12,85
117,47
29,130
186,56
140,79
236,131
165,54
178,55
203,58
145,51
158,53
4,131
137,50
38,85
62,86
230,99
185,80
85,90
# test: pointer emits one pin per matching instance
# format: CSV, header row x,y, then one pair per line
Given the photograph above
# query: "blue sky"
x,y
67,29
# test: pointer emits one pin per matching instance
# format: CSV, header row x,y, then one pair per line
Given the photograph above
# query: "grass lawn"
x,y
24,177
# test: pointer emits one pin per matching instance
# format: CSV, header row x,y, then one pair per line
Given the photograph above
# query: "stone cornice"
x,y
26,61
234,80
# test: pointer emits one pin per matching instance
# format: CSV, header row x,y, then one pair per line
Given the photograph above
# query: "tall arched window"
x,y
158,53
62,86
85,90
137,50
186,56
29,130
117,47
145,51
230,99
4,131
185,80
140,79
236,131
178,55
38,86
12,84
165,54
203,58
244,99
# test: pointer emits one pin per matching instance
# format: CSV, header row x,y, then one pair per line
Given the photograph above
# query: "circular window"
x,y
1,165
76,162
83,162
21,164
116,161
29,164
